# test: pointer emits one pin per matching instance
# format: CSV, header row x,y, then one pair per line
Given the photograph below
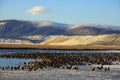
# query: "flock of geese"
x,y
64,61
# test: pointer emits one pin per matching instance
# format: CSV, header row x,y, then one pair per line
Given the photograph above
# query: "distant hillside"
x,y
83,40
93,29
17,28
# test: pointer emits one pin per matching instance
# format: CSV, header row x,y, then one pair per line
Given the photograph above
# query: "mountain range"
x,y
17,28
47,32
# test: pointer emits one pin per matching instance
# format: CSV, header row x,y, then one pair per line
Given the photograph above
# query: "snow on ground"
x,y
17,41
84,73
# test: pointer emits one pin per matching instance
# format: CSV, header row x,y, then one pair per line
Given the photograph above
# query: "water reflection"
x,y
12,61
12,51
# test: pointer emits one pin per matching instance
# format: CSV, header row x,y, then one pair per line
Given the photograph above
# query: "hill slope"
x,y
15,28
83,40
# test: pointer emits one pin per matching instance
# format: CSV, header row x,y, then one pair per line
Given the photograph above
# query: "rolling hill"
x,y
112,39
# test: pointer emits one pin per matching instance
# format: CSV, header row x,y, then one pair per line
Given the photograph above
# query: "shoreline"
x,y
59,47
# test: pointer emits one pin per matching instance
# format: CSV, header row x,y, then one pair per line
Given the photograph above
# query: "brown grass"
x,y
37,46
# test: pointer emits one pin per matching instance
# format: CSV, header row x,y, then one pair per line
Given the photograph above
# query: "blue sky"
x,y
64,11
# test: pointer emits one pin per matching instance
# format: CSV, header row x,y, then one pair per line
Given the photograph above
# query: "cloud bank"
x,y
36,10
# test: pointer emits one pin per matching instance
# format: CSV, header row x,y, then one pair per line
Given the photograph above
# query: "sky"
x,y
63,11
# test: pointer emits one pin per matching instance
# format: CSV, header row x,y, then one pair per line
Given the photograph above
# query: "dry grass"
x,y
112,39
37,46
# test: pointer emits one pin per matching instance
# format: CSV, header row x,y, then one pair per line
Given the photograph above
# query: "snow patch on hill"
x,y
2,23
11,41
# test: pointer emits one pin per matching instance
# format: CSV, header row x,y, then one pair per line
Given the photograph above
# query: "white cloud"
x,y
36,10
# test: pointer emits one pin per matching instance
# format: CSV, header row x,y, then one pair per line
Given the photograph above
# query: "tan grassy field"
x,y
37,46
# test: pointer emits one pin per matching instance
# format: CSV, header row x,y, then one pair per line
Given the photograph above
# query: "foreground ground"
x,y
52,66
83,73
